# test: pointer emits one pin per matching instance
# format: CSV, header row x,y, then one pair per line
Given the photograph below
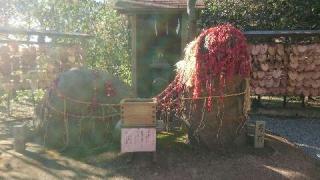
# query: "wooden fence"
x,y
27,62
285,69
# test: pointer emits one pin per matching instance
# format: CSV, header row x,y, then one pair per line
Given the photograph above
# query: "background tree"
x,y
108,50
263,14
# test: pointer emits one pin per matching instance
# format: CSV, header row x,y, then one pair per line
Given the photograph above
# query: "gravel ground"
x,y
305,133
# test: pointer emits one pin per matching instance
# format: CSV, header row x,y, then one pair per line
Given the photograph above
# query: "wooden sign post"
x,y
19,133
259,134
138,132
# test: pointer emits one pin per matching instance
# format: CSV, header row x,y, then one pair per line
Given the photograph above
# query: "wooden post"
x,y
284,104
154,157
259,134
259,101
192,19
9,104
133,21
160,125
19,134
184,31
302,101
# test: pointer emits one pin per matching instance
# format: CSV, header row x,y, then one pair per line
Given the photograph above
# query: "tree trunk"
x,y
222,127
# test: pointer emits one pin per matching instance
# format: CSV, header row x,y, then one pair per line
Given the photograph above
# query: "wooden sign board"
x,y
138,112
138,140
259,134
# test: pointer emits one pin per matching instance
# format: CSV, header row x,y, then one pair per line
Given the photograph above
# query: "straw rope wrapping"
x,y
66,123
246,105
81,115
220,113
112,107
223,96
47,107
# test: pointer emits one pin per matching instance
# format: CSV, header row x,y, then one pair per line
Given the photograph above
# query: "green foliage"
x,y
27,96
108,50
263,14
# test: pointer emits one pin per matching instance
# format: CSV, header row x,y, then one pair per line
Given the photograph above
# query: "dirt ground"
x,y
176,160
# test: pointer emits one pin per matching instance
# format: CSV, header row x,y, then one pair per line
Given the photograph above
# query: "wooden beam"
x,y
137,7
32,42
150,11
283,33
43,33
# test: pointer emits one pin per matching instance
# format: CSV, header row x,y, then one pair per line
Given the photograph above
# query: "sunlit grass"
x,y
176,140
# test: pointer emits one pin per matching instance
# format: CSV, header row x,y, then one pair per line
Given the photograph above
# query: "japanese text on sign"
x,y
138,139
259,134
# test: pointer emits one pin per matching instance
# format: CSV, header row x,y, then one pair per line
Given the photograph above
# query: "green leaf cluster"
x,y
263,14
